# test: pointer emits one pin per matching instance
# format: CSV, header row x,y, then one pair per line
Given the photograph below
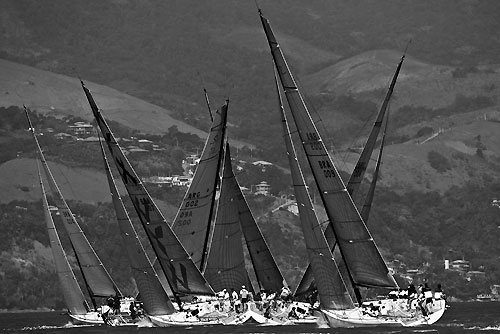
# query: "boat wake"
x,y
145,323
487,328
322,323
42,327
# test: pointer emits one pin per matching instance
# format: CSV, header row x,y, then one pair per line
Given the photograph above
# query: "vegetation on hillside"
x,y
165,52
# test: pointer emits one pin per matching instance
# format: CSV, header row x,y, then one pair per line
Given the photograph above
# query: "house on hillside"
x,y
262,164
82,130
145,144
63,135
262,188
460,265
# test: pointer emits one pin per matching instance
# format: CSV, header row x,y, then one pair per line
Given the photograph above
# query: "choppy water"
x,y
479,317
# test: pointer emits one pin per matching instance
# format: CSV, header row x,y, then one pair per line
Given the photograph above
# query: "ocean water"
x,y
476,317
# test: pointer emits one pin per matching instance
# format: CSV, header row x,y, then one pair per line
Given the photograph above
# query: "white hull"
x,y
95,318
356,318
89,318
181,319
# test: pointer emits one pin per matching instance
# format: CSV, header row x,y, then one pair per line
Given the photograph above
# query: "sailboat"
x,y
364,264
182,275
96,278
216,247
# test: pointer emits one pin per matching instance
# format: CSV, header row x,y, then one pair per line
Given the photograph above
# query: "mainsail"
x,y
96,277
364,262
323,264
154,298
192,224
225,268
72,293
182,274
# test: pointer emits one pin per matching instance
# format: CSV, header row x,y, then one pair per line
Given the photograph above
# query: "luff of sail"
x,y
97,278
193,219
363,259
225,268
72,293
322,262
154,298
182,274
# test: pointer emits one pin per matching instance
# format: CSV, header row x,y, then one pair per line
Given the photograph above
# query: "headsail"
x,y
266,270
359,170
182,274
323,264
363,259
225,267
365,210
96,277
72,293
192,224
153,296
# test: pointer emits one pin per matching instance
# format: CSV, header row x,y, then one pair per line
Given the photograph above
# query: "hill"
x,y
165,53
61,95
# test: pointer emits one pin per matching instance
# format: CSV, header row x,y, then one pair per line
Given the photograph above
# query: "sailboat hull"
x,y
90,318
181,319
357,318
